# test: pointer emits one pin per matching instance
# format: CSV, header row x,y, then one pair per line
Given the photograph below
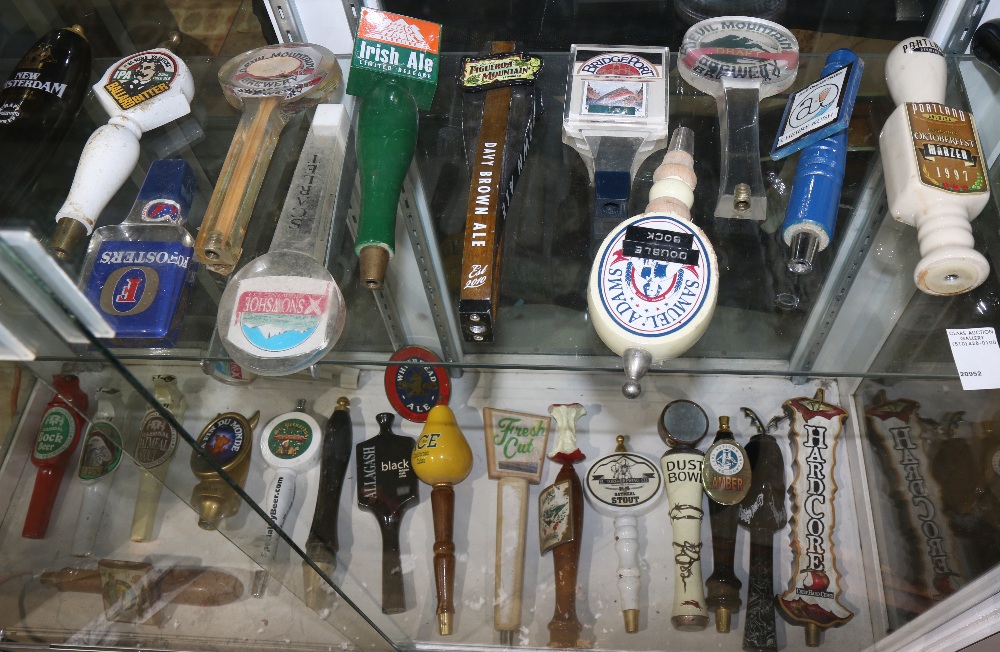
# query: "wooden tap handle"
x,y
723,587
759,631
443,508
565,627
393,593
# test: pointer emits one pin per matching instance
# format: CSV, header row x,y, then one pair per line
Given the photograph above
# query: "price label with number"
x,y
977,356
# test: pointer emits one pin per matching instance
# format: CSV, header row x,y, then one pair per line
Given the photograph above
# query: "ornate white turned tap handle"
x,y
625,486
814,596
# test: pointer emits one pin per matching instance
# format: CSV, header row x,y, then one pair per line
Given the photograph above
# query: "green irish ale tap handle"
x,y
387,137
394,72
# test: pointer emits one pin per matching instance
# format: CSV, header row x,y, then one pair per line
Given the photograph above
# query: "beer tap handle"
x,y
759,633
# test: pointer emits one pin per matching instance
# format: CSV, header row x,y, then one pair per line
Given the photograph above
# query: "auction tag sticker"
x,y
977,356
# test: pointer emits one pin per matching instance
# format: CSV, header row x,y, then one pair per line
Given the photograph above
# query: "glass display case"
x,y
884,530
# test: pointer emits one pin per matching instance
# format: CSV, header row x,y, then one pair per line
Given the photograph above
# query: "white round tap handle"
x,y
916,71
682,474
512,520
95,497
280,496
107,160
627,547
949,264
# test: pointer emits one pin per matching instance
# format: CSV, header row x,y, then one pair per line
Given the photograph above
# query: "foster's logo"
x,y
129,290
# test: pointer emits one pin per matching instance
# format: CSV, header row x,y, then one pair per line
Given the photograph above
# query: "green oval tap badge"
x,y
56,433
290,438
157,441
102,451
726,472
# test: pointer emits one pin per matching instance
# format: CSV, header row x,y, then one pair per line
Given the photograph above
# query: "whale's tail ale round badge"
x,y
414,388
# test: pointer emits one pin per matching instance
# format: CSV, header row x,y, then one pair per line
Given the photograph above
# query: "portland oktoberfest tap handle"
x,y
759,633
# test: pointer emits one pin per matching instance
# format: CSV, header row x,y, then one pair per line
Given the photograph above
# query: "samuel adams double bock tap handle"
x,y
762,512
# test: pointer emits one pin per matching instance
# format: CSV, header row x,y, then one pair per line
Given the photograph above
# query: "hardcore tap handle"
x,y
741,185
220,240
759,631
393,593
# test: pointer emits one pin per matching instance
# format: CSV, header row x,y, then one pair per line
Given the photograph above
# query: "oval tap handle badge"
x,y
726,472
413,388
289,440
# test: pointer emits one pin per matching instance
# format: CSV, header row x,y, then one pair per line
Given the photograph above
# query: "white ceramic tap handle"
x,y
627,547
95,497
280,496
916,71
682,473
108,159
512,520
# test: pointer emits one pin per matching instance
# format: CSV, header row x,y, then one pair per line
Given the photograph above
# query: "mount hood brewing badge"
x,y
624,480
141,77
740,48
413,389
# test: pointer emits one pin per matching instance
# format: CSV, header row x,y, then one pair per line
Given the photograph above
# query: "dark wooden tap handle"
x,y
759,633
443,508
723,587
393,593
565,627
322,544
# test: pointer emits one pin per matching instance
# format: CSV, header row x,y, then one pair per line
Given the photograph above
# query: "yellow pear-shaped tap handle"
x,y
442,458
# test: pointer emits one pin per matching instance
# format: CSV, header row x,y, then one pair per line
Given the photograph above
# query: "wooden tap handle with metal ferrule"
x,y
443,507
322,544
387,138
759,634
565,627
723,587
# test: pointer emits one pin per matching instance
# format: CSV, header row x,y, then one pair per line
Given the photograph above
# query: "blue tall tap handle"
x,y
815,196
